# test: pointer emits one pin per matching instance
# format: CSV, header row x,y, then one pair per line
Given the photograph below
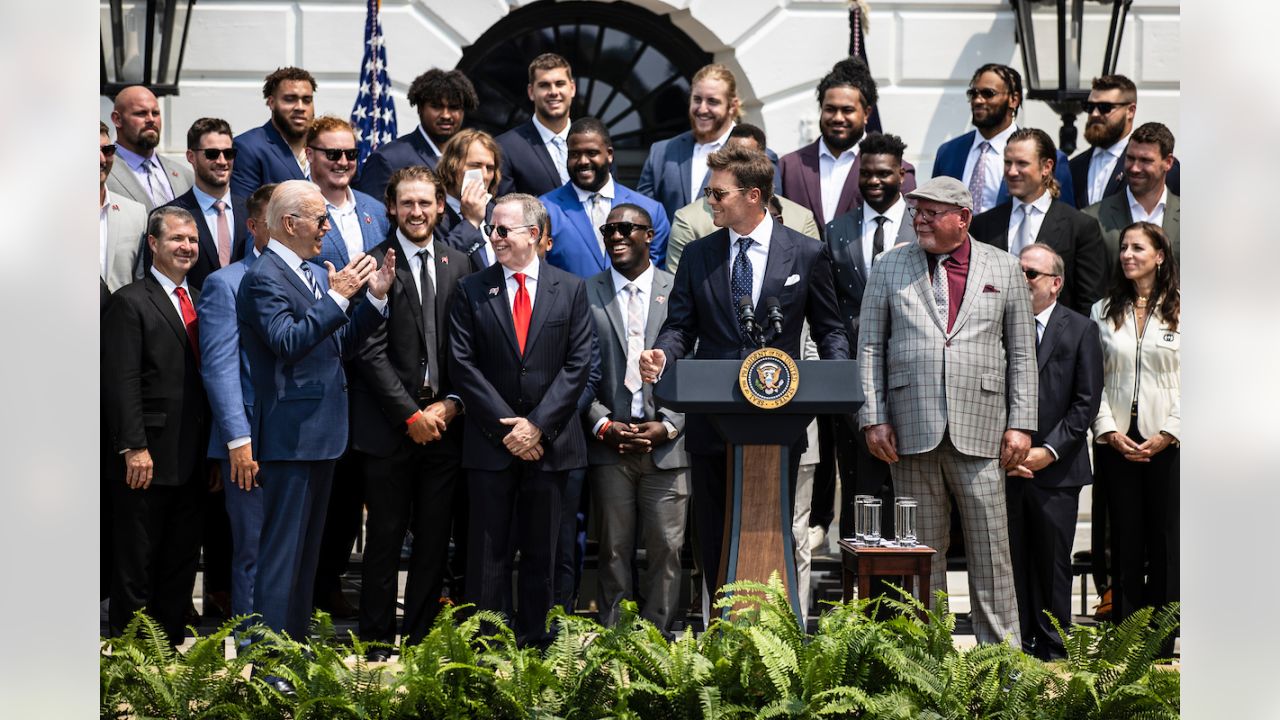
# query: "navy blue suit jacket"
x,y
207,262
576,249
665,176
296,345
262,157
224,364
406,150
953,153
1069,359
496,381
374,227
526,165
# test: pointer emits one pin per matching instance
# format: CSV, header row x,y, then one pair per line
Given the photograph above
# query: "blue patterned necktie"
x,y
740,281
311,280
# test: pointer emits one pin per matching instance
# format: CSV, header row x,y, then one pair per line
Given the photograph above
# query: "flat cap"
x,y
944,190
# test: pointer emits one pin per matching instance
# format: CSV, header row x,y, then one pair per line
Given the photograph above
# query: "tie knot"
x,y
181,292
984,146
423,254
880,220
519,278
220,206
744,243
631,288
943,258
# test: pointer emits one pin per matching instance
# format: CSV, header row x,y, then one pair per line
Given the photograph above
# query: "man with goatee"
x,y
276,151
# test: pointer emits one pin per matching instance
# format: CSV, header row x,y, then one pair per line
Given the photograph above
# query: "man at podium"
x,y
724,291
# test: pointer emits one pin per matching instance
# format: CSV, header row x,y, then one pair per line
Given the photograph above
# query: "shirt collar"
x,y
106,202
168,284
410,248
206,201
998,142
760,234
1041,203
823,150
644,281
719,142
606,190
531,269
454,204
133,159
1135,207
894,211
1117,149
959,255
430,143
547,133
1043,315
290,257
348,205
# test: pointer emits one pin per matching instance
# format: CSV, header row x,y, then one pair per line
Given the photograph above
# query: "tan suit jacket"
x,y
123,182
126,230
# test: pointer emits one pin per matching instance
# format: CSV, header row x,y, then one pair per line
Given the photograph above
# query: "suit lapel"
x,y
295,281
608,298
130,184
410,288
1117,175
977,280
445,274
685,165
918,268
849,194
855,246
1052,227
420,146
811,181
582,221
159,298
776,270
718,275
501,307
543,297
539,149
335,238
657,306
1001,215
1050,338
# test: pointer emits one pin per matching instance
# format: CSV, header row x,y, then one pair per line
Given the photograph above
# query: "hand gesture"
x,y
474,200
380,281
1014,448
348,281
651,364
645,437
523,438
425,428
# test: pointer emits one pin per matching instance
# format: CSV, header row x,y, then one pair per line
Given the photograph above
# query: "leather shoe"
x,y
378,655
336,604
279,684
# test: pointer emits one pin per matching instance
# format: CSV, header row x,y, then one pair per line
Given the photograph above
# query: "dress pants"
x,y
571,540
1042,528
156,533
631,490
978,486
522,503
822,507
216,543
342,523
410,489
244,511
295,498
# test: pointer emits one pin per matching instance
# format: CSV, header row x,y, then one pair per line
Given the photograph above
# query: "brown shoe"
x,y
1103,610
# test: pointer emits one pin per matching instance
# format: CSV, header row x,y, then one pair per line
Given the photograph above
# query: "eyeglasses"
x,y
622,228
109,149
929,215
1103,108
502,230
213,153
984,93
1033,274
717,193
332,154
320,221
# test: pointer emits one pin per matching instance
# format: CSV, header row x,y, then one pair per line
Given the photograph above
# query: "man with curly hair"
x,y
276,151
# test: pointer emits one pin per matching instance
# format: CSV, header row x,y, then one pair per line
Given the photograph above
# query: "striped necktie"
x,y
311,280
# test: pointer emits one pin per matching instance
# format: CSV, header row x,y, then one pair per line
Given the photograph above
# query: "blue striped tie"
x,y
311,280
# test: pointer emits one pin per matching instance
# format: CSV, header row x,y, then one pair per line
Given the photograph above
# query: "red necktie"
x,y
189,320
521,310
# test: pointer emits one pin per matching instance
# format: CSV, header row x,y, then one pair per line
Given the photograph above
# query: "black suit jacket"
x,y
844,242
526,165
544,384
700,311
151,384
1070,362
1080,177
456,232
390,367
1072,234
406,150
208,260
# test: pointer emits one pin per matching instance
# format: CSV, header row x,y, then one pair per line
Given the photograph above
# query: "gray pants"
x,y
635,489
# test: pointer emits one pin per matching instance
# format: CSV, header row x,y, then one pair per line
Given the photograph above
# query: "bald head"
x,y
137,119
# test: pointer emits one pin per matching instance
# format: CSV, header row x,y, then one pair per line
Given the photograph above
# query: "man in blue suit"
x,y
295,333
995,95
676,170
274,153
443,99
225,370
579,207
535,153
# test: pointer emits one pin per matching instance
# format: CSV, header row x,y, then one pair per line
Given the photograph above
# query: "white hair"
x,y
287,200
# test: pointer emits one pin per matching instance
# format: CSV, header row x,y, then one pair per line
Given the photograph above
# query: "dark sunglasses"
x,y
1103,108
717,193
502,230
332,154
213,153
109,149
1033,274
623,228
984,93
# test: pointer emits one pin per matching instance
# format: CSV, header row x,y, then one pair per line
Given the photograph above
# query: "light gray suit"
x,y
652,487
123,182
1112,213
949,398
126,229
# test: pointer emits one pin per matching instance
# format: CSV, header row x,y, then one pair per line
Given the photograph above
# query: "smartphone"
x,y
474,174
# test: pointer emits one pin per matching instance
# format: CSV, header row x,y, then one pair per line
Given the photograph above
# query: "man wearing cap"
x,y
946,352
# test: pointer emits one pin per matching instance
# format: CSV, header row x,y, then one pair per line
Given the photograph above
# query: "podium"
x,y
758,511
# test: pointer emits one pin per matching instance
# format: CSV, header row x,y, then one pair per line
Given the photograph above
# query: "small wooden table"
x,y
863,563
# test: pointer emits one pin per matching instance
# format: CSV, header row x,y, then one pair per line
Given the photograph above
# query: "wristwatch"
x,y
672,430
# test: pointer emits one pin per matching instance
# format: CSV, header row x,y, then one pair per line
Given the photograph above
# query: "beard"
x,y
281,121
1103,134
996,117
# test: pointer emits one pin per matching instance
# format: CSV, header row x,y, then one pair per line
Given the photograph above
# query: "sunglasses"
x,y
1103,108
622,228
1033,274
929,215
718,194
214,153
320,220
109,149
332,154
984,93
502,230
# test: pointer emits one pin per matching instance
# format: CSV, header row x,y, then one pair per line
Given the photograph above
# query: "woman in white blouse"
x,y
1138,426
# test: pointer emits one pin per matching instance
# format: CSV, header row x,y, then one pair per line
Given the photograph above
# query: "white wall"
x,y
922,54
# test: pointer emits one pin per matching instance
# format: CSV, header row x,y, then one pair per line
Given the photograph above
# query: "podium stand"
x,y
758,512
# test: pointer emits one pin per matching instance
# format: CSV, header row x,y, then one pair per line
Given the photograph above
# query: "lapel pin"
x,y
660,299
493,291
444,259
115,206
367,219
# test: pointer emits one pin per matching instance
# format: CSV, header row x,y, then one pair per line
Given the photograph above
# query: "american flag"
x,y
374,114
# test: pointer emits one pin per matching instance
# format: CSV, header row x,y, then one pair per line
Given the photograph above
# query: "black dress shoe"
x,y
279,684
378,655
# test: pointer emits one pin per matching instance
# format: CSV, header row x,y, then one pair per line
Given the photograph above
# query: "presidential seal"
x,y
769,378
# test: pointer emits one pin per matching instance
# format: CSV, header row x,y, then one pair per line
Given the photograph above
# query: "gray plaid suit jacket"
x,y
975,382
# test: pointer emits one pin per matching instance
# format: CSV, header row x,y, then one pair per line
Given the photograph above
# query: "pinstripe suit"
x,y
949,398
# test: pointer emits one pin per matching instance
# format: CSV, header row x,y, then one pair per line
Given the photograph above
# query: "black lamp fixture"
x,y
142,42
1060,63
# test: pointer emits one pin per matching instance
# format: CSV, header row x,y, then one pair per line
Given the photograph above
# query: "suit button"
x,y
524,371
948,343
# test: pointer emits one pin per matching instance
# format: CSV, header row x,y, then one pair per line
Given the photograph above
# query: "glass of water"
x,y
860,518
904,517
872,509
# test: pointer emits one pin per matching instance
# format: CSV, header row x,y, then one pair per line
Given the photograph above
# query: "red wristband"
x,y
413,418
603,429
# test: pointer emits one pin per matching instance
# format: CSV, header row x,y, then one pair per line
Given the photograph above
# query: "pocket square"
x,y
990,289
791,281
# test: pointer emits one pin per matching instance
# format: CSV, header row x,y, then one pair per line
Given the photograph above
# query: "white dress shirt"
x,y
206,201
1035,218
993,167
1102,165
758,253
104,236
698,163
430,143
557,144
833,172
644,282
409,252
295,264
892,224
530,284
347,221
171,290
1139,213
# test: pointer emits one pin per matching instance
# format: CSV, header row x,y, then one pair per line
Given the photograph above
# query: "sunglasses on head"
x,y
332,154
984,93
1103,108
1033,274
213,153
109,149
623,228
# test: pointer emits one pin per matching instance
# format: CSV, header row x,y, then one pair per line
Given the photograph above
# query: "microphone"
x,y
775,314
747,318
